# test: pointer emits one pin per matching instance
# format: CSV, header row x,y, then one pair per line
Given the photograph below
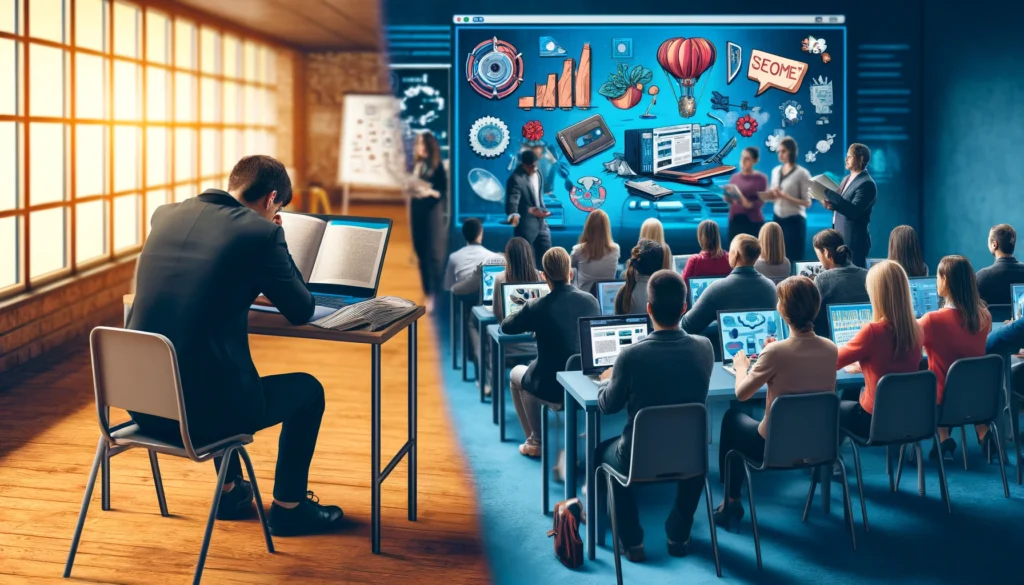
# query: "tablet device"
x,y
679,262
747,331
515,296
602,338
1017,300
844,321
808,269
606,291
487,274
697,286
924,295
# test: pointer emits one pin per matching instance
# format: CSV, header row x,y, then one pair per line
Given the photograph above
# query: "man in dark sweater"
x,y
994,281
667,367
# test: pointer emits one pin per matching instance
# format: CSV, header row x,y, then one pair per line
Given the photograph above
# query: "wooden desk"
x,y
261,323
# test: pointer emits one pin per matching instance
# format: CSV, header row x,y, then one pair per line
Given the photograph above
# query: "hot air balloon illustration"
x,y
685,60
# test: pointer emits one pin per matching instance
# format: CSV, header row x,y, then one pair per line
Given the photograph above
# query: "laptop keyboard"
x,y
331,301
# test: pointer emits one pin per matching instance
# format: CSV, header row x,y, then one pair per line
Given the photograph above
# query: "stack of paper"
x,y
371,314
818,186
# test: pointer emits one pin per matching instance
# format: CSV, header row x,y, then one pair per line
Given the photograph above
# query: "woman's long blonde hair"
x,y
596,240
651,229
889,291
773,245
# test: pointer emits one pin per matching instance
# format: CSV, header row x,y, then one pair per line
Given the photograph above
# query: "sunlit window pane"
x,y
154,199
9,166
156,156
249,61
183,192
90,160
47,21
126,30
156,94
90,230
211,151
210,184
184,154
126,158
271,66
253,105
47,241
232,103
8,23
269,108
90,24
91,78
270,143
11,251
9,71
185,97
46,73
255,142
157,39
232,149
209,50
46,167
126,91
184,44
261,64
127,211
209,93
232,57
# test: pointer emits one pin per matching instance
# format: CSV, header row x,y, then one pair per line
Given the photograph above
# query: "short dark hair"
x,y
862,152
1005,238
471,229
258,176
754,152
831,241
799,302
667,295
528,157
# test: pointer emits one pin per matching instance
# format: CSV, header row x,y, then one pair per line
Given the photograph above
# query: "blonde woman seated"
x,y
773,262
651,229
596,256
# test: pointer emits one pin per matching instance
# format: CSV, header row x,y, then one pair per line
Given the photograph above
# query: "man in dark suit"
x,y
554,319
524,205
667,367
853,202
204,263
994,281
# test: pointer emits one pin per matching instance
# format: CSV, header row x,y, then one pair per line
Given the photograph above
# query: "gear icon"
x,y
488,137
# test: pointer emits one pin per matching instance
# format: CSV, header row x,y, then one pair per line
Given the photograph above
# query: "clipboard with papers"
x,y
819,184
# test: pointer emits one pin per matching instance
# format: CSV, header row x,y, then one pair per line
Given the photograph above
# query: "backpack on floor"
x,y
566,532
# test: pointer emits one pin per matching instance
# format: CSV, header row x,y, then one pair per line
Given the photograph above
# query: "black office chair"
x,y
573,364
803,431
668,446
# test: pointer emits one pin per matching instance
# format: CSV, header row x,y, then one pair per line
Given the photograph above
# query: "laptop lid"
x,y
515,296
606,292
808,269
487,274
844,321
602,338
698,285
679,262
747,330
1001,313
924,295
1017,300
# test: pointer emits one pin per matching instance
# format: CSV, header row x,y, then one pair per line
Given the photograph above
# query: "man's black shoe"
x,y
236,504
309,517
679,549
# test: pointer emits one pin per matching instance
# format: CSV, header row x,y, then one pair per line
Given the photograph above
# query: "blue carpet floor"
x,y
911,539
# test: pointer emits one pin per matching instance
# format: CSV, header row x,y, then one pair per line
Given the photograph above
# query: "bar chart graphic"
x,y
565,91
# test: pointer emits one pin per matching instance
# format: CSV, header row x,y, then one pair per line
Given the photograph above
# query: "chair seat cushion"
x,y
130,436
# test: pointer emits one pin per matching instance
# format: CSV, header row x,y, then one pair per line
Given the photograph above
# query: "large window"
x,y
110,109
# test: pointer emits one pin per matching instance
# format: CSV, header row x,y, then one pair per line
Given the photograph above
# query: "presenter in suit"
x,y
851,206
524,204
204,263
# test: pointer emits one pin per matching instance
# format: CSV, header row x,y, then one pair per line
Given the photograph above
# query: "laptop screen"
x,y
924,294
1017,300
872,261
338,255
846,320
747,331
697,287
487,274
602,338
606,292
808,269
515,296
679,263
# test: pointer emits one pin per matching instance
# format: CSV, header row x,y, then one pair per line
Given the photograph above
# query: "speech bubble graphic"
x,y
774,71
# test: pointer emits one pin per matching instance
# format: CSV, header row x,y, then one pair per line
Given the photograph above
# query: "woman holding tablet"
x,y
745,216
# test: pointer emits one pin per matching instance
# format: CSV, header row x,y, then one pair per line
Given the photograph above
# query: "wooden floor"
x,y
48,435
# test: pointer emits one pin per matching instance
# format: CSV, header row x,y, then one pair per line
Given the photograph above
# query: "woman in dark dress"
x,y
428,190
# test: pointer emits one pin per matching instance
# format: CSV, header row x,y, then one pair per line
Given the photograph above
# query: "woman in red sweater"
x,y
890,344
958,330
712,260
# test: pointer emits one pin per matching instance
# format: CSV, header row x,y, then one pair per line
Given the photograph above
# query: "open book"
x,y
340,252
372,314
818,186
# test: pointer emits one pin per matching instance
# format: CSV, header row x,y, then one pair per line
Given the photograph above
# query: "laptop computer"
x,y
697,286
515,296
1017,300
679,262
872,261
602,338
747,331
924,295
487,274
1001,313
808,269
844,321
606,291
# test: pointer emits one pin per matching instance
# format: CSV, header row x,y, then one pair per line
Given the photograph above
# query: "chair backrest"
x,y
574,363
803,430
972,391
904,409
669,442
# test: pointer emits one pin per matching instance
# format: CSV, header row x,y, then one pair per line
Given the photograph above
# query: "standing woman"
x,y
773,263
428,193
651,229
596,256
646,259
745,216
905,249
790,182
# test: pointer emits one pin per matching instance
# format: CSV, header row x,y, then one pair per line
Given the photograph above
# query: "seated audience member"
x,y
596,256
905,248
712,260
890,344
519,268
463,262
798,365
994,281
959,330
744,288
840,281
471,285
773,262
554,319
667,367
645,261
200,301
651,229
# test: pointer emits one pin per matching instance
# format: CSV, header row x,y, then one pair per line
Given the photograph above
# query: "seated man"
x,y
667,367
744,288
203,265
554,319
462,263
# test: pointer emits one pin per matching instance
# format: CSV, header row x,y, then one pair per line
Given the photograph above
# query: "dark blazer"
x,y
994,281
204,263
853,213
667,367
555,320
519,198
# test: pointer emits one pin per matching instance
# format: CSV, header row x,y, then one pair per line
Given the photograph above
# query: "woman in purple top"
x,y
745,215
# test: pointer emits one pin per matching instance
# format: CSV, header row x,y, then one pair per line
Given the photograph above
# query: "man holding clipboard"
x,y
851,202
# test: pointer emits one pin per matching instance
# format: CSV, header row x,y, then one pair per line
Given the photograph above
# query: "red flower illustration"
x,y
533,130
746,126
